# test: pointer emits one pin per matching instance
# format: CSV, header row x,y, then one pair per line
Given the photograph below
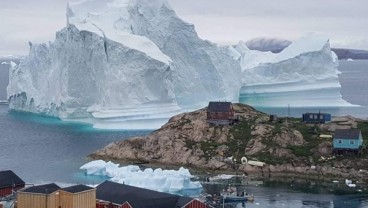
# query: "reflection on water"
x,y
292,193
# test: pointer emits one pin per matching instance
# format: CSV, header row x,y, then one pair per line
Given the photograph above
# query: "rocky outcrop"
x,y
188,140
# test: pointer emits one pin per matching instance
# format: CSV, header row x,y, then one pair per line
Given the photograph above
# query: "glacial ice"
x,y
132,64
303,74
171,181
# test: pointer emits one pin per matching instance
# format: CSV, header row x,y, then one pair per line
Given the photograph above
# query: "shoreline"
x,y
258,173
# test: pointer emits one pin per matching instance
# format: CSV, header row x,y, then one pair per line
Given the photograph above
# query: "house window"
x,y
351,141
321,117
339,141
311,116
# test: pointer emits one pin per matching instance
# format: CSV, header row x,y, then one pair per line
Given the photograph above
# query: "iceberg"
x,y
171,181
122,64
303,74
133,64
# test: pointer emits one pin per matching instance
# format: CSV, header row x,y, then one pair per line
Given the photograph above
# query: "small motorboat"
x,y
231,197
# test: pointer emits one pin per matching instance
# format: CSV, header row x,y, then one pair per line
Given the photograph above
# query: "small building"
x,y
9,183
115,195
220,113
79,196
316,118
43,196
347,140
273,118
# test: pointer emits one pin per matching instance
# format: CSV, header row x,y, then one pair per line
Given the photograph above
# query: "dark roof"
x,y
219,107
137,197
77,188
42,189
347,134
9,178
183,200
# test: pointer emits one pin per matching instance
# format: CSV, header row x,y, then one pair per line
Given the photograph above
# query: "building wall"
x,y
196,204
86,199
5,191
33,200
316,118
220,115
341,143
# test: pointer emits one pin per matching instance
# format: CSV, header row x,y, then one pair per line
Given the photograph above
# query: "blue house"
x,y
316,117
347,140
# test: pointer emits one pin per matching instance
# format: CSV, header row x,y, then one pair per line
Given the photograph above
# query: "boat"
x,y
4,102
232,197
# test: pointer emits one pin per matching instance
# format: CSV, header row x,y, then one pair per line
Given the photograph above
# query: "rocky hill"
x,y
285,146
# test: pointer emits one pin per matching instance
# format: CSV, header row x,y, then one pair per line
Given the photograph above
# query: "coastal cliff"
x,y
286,146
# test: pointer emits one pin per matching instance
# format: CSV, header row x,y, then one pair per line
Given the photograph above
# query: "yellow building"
x,y
44,196
79,196
52,196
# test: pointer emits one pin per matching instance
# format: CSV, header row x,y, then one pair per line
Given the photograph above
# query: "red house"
x,y
115,195
9,183
220,113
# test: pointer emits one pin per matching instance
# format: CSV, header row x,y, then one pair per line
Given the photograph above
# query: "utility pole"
x,y
287,116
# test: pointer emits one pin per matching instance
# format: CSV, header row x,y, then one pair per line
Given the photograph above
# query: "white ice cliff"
x,y
304,74
119,63
131,64
171,181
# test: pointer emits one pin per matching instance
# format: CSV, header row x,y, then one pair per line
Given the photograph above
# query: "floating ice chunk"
x,y
349,59
222,177
160,180
4,62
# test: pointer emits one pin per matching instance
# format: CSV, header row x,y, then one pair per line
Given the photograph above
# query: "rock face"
x,y
188,140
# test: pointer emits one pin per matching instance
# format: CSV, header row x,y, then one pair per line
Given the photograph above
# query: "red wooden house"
x,y
114,195
9,183
220,113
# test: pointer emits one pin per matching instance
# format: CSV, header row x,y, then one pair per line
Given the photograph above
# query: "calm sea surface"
x,y
41,149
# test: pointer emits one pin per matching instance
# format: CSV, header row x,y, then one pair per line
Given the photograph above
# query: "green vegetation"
x,y
363,126
241,133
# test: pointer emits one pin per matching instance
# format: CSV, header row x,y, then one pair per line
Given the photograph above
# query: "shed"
x,y
79,196
316,117
9,182
115,195
347,139
43,196
220,113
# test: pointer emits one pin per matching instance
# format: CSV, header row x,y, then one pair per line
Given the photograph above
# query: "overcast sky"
x,y
221,21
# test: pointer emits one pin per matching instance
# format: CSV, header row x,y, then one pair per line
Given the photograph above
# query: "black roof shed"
x,y
138,197
9,179
347,134
219,107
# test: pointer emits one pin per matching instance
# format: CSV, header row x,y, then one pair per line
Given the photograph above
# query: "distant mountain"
x,y
343,53
276,45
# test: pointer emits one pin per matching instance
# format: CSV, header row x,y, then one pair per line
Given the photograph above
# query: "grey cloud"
x,y
223,21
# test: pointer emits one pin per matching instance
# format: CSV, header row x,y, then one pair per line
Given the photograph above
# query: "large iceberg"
x,y
171,181
123,62
132,64
303,74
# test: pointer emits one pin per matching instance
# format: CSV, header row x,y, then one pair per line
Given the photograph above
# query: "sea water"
x,y
43,149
